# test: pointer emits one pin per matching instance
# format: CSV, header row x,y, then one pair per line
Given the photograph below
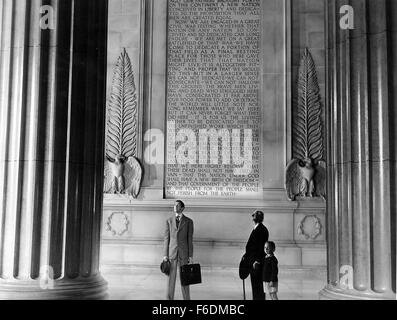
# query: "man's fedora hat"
x,y
244,268
165,267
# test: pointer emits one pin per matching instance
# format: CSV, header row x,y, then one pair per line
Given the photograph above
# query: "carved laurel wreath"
x,y
122,111
117,223
310,227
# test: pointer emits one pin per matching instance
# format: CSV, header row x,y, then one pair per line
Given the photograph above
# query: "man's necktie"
x,y
177,222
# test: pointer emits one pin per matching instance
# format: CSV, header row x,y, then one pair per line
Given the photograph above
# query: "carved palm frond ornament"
x,y
123,172
305,173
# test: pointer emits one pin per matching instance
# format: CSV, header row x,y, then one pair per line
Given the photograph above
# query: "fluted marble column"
x,y
362,144
52,102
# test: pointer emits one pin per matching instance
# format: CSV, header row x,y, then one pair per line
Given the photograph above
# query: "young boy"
x,y
270,270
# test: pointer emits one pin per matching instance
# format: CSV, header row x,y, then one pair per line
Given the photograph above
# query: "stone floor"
x,y
148,283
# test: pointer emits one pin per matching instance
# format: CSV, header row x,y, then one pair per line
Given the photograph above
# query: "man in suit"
x,y
255,253
178,247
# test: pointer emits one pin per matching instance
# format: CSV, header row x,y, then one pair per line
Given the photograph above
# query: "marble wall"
x,y
133,229
124,31
308,31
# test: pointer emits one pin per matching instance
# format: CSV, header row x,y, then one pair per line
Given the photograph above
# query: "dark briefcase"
x,y
190,274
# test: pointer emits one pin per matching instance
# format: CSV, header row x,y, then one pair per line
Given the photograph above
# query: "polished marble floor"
x,y
148,283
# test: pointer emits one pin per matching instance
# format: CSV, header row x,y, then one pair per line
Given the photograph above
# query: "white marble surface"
x,y
140,283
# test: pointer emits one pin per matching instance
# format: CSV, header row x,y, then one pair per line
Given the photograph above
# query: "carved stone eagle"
x,y
305,179
123,176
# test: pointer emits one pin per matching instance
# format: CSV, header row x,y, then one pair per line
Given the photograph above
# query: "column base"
x,y
334,293
92,288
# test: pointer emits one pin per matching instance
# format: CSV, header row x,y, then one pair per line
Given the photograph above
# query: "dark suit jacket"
x,y
270,269
178,242
255,248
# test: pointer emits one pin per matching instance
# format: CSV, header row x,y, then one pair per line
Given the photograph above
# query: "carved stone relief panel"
x,y
123,171
306,172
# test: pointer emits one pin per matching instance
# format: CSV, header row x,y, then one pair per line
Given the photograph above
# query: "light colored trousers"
x,y
175,265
